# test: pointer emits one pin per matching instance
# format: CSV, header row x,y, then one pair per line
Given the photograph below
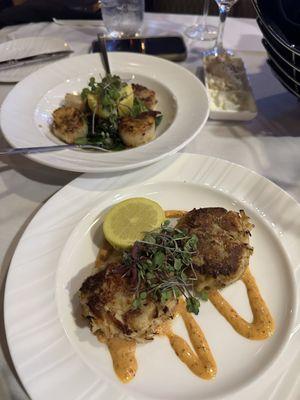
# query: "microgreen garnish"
x,y
203,295
108,94
108,90
104,132
138,107
160,266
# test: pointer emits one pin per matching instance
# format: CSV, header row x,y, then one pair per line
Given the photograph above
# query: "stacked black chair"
x,y
279,21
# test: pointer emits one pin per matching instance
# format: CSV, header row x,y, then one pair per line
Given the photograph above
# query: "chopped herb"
x,y
158,120
192,305
203,295
138,107
136,303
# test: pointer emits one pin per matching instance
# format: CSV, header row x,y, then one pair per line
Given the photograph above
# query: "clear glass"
x,y
224,8
201,30
123,18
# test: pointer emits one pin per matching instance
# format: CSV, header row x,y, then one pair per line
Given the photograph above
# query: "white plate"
x,y
57,359
217,113
181,98
28,47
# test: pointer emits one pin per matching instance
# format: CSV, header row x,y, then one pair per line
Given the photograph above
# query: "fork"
x,y
45,149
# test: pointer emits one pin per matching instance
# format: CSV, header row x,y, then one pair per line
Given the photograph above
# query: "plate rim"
x,y
91,177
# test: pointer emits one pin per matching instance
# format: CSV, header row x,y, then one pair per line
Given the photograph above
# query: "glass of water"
x,y
123,18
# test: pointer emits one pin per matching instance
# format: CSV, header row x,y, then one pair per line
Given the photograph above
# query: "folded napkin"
x,y
27,47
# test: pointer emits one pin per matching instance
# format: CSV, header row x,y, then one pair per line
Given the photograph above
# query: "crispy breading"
x,y
107,298
223,245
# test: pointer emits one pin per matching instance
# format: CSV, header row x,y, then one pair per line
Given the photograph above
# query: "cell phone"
x,y
171,48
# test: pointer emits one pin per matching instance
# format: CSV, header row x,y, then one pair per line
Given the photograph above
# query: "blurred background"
x,y
23,11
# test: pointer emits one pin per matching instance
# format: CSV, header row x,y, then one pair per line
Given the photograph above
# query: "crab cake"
x,y
107,302
223,245
147,96
69,124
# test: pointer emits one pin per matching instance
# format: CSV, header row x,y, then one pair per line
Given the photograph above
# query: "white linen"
x,y
270,145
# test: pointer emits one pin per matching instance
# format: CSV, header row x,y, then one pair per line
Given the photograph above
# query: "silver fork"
x,y
46,149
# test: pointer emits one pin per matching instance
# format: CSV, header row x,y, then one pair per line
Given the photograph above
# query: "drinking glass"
x,y
224,8
201,30
123,18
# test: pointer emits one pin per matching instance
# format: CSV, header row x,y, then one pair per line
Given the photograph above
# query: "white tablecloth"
x,y
270,144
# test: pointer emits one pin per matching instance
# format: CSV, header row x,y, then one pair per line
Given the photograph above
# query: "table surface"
x,y
269,145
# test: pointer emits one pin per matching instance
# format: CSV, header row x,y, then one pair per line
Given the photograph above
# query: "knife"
x,y
20,62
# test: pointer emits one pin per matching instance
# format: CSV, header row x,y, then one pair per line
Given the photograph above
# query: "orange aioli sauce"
x,y
262,326
175,213
123,356
200,361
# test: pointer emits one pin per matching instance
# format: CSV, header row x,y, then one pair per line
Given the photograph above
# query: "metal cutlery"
x,y
45,149
103,54
20,62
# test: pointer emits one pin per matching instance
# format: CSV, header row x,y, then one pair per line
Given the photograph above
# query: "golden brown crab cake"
x,y
147,96
69,124
107,298
137,131
223,245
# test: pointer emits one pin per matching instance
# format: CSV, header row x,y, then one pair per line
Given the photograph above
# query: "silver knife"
x,y
33,59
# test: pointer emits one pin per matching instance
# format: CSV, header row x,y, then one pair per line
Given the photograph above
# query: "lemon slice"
x,y
98,108
126,103
128,221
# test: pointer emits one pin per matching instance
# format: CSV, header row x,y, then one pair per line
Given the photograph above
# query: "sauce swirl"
x,y
200,359
123,355
201,362
262,326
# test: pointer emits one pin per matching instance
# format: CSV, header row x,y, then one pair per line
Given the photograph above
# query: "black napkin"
x,y
38,11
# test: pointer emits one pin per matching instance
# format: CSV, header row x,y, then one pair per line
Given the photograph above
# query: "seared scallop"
x,y
147,96
107,302
69,124
137,131
74,100
223,251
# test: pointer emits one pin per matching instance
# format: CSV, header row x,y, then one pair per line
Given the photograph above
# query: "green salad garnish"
x,y
161,266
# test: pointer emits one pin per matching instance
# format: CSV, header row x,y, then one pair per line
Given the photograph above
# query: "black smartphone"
x,y
169,47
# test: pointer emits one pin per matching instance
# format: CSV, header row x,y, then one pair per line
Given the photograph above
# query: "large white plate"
x,y
26,112
56,358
